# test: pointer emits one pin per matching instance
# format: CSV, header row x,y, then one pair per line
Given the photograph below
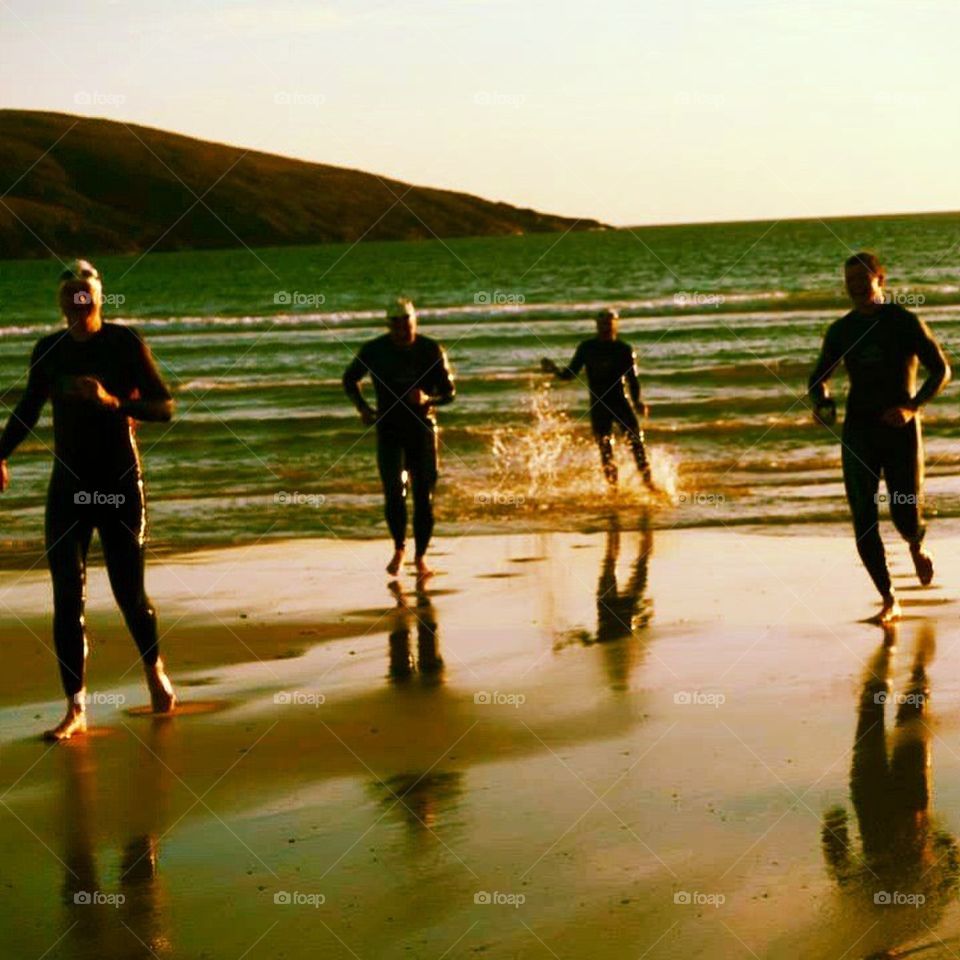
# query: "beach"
x,y
488,766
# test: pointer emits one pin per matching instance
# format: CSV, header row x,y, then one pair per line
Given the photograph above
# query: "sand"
x,y
472,771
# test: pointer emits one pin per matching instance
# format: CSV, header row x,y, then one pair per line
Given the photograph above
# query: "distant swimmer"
x,y
99,377
411,377
881,345
611,367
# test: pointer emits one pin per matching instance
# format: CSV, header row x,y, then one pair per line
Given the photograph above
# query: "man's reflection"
x,y
904,860
421,616
128,919
622,608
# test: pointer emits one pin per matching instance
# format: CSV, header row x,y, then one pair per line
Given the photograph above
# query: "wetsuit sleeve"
x,y
830,357
352,376
27,411
442,389
934,361
155,402
633,382
575,365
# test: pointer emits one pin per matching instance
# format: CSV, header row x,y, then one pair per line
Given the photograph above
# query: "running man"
x,y
881,345
411,377
609,362
99,377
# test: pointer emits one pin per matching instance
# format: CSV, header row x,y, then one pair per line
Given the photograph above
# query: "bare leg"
x,y
393,567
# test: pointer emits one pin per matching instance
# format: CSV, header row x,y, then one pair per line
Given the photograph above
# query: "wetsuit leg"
x,y
862,458
601,420
421,458
122,528
390,463
903,471
68,528
627,418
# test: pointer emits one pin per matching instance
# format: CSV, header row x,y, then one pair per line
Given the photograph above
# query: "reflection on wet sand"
x,y
422,617
906,870
126,917
623,608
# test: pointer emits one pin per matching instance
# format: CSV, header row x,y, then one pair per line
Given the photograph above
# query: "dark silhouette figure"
x,y
411,377
881,345
611,366
905,865
422,617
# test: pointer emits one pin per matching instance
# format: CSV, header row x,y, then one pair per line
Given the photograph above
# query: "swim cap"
x,y
80,270
401,307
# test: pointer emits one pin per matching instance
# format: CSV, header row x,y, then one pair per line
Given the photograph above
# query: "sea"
x,y
726,321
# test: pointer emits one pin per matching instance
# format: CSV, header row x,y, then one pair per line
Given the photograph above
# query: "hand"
x,y
368,417
548,366
4,476
825,413
93,391
897,416
418,398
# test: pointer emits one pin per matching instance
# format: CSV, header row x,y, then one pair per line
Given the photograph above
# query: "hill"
x,y
74,185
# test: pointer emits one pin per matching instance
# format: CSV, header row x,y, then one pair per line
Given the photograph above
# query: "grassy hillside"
x,y
76,185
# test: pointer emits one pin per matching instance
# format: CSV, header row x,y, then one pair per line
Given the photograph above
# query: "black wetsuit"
x,y
611,365
881,351
406,435
96,480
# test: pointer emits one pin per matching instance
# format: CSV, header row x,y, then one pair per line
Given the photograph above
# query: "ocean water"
x,y
726,321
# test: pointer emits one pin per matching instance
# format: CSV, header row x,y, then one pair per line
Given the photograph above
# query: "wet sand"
x,y
610,745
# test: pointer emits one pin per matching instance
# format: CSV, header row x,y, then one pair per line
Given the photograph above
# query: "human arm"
x,y
824,406
26,413
352,376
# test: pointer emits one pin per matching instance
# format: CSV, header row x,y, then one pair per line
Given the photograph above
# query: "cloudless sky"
x,y
631,111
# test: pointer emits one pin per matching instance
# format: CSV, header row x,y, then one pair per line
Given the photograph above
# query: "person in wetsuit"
x,y
881,345
610,364
411,377
99,377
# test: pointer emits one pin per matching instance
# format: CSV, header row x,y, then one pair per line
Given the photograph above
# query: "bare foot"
x,y
922,562
393,567
73,723
423,571
889,613
162,697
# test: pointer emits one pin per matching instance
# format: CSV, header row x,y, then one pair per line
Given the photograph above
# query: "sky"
x,y
628,111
